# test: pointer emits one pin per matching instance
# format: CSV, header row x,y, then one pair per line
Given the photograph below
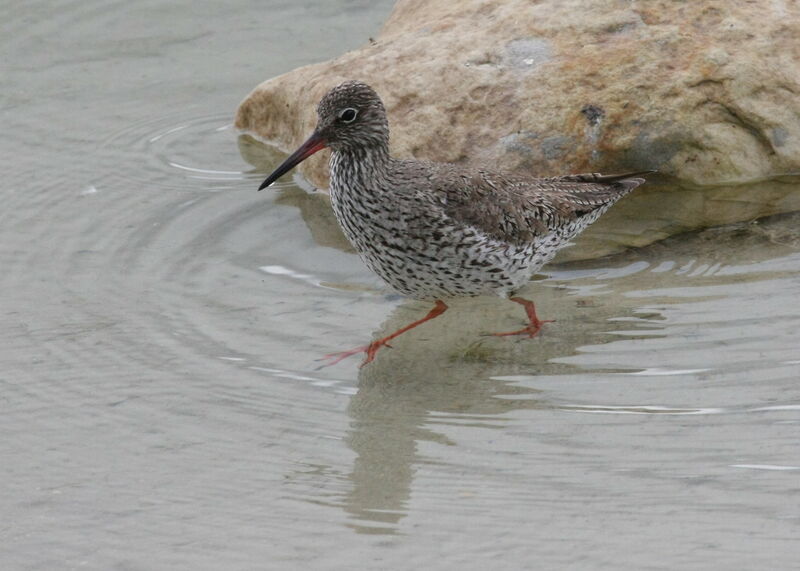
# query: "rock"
x,y
706,92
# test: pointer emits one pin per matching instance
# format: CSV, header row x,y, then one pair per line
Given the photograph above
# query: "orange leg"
x,y
372,349
535,323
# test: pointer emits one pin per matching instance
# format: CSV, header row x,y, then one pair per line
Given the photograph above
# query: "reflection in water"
x,y
392,413
447,373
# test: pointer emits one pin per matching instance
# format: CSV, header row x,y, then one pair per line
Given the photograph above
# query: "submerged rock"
x,y
706,92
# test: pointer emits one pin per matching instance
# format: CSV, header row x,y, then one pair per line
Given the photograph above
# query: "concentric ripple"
x,y
174,153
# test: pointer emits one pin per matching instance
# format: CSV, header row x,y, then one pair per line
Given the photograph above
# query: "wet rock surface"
x,y
705,92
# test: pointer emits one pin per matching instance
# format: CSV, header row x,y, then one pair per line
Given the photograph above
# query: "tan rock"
x,y
706,92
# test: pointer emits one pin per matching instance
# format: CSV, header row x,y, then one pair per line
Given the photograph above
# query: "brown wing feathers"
x,y
518,210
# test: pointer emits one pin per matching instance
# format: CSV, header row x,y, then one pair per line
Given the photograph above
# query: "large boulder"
x,y
706,92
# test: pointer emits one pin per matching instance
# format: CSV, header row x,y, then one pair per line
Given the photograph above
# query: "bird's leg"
x,y
535,323
372,349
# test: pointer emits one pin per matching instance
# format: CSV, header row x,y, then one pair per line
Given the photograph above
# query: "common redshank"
x,y
434,231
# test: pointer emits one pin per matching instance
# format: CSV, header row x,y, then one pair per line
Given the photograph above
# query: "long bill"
x,y
313,144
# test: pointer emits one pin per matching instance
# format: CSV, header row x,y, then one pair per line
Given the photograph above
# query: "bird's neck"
x,y
361,169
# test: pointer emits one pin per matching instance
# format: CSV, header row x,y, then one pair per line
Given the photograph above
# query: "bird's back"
x,y
518,209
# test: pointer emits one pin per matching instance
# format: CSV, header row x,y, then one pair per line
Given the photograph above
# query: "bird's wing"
x,y
518,209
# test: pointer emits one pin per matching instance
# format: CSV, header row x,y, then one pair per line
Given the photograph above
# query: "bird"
x,y
436,231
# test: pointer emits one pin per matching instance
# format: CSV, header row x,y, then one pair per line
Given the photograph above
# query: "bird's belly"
x,y
435,274
458,263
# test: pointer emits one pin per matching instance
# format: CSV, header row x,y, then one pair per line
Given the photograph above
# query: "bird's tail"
x,y
606,178
620,184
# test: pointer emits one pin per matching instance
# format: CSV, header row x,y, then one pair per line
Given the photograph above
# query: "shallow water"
x,y
162,405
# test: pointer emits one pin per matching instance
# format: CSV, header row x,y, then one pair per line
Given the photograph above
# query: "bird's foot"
x,y
371,350
531,330
534,325
334,358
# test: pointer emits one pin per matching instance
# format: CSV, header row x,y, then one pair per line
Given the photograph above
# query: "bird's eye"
x,y
348,115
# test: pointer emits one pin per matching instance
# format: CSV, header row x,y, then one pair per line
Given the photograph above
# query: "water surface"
x,y
162,402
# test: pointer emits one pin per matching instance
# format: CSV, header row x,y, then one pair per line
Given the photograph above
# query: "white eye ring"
x,y
348,115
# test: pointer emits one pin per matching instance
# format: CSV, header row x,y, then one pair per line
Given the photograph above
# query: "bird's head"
x,y
350,118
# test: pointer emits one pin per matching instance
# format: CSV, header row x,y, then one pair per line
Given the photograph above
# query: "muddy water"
x,y
162,406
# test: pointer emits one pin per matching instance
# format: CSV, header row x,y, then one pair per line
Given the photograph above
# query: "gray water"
x,y
161,405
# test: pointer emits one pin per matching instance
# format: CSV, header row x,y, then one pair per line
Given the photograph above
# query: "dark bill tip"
x,y
313,144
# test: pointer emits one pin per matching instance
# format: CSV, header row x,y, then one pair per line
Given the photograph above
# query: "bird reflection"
x,y
446,374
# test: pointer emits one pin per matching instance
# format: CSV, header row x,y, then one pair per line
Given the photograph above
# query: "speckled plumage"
x,y
434,230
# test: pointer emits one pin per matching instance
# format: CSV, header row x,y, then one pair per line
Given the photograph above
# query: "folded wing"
x,y
519,210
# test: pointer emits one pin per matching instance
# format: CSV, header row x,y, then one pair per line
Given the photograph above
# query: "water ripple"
x,y
179,156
